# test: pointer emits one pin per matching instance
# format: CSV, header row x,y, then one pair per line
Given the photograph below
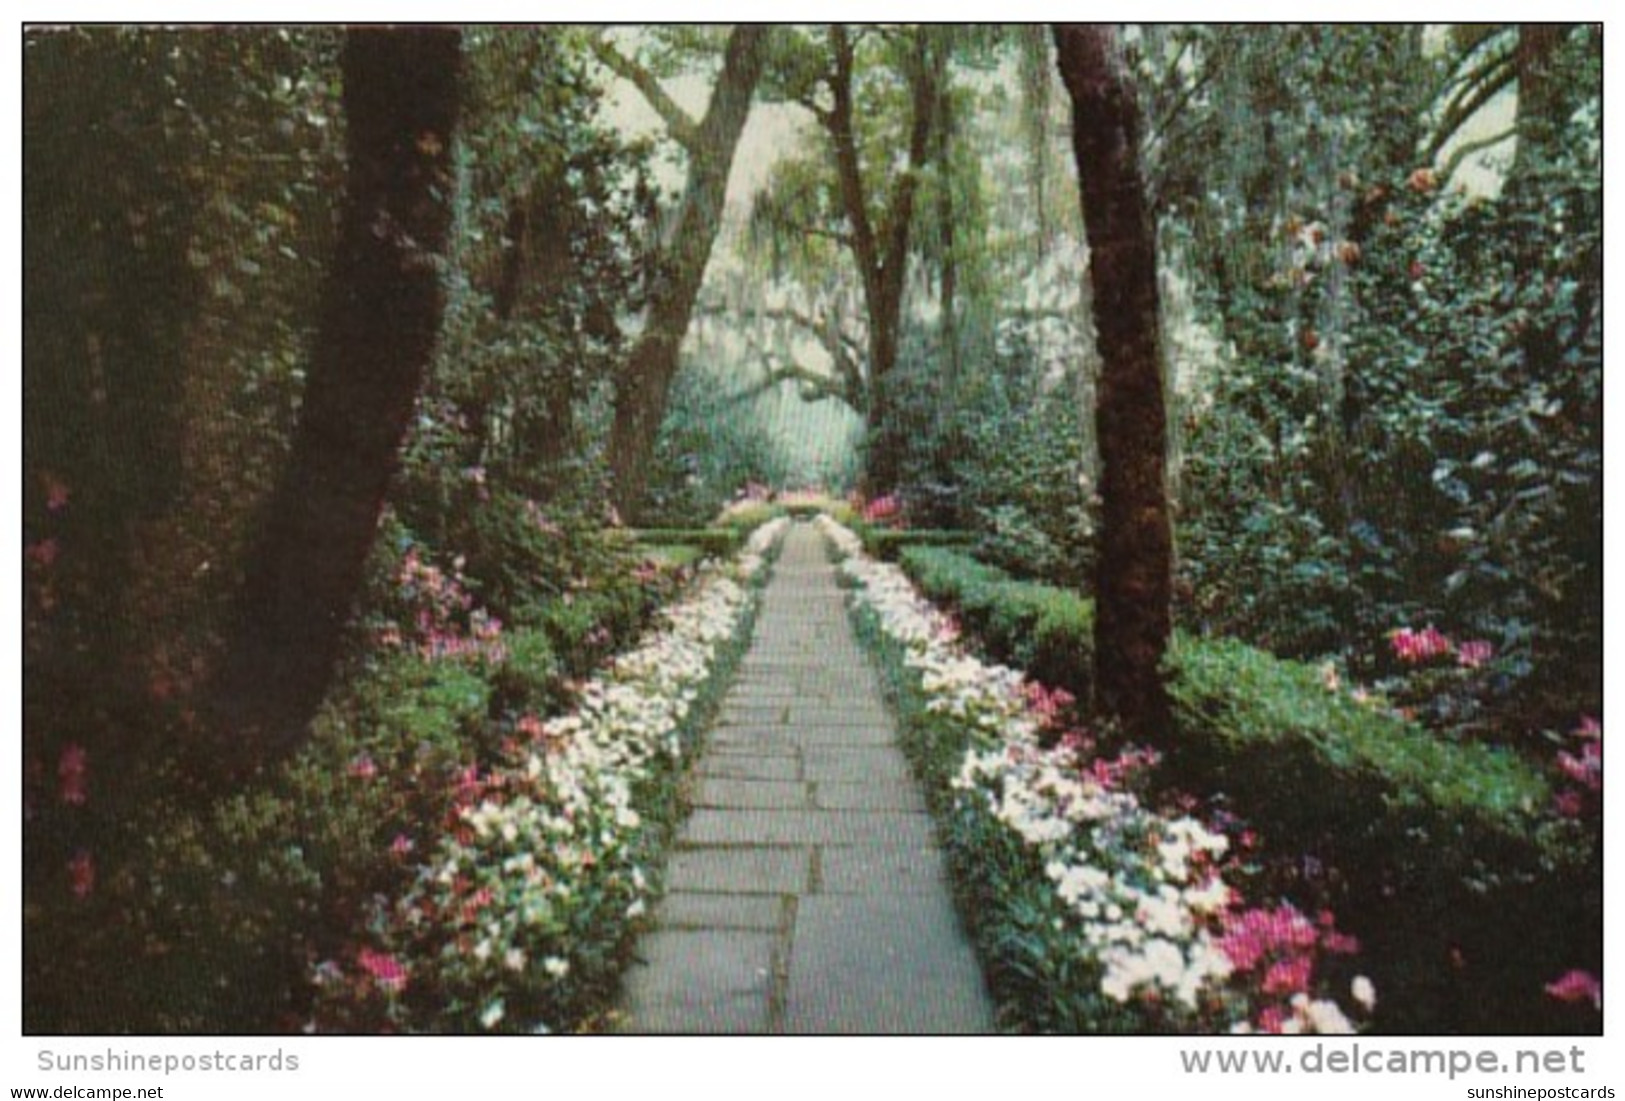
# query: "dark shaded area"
x,y
379,325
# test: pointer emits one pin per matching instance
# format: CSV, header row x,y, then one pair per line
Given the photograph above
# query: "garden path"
x,y
806,893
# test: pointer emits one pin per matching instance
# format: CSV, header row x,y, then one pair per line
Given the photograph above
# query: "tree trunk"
x,y
1134,579
1540,99
880,248
644,387
380,320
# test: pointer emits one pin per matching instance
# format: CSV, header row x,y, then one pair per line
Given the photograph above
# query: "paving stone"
x,y
883,964
806,893
855,763
837,795
806,827
691,910
771,871
754,739
741,766
881,869
719,791
874,734
700,981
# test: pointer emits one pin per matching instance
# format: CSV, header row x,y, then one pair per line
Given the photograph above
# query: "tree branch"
x,y
1467,149
679,123
1477,89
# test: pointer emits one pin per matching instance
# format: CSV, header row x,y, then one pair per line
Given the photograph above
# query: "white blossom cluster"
x,y
1141,888
555,835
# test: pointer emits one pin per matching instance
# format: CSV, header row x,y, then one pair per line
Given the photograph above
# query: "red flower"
x,y
363,767
1568,804
1413,647
384,969
56,492
82,874
71,773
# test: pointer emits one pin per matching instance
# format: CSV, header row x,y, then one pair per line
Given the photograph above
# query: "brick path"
x,y
806,893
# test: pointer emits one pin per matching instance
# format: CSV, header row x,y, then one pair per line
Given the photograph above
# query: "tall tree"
x,y
379,323
1134,575
644,387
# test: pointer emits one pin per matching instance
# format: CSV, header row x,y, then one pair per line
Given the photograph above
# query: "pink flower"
x,y
71,772
1585,769
1475,653
43,553
56,492
1288,976
384,969
1568,804
1272,1019
402,845
363,767
1589,728
1413,647
1576,986
82,874
883,509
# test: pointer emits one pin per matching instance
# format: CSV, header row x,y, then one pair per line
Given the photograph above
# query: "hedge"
x,y
887,544
719,542
1442,853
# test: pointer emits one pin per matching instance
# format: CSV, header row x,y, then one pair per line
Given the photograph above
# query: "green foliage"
x,y
1046,631
1007,459
712,542
712,442
1435,851
888,543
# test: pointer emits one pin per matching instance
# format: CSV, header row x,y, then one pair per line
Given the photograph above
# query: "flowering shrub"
x,y
1130,908
525,900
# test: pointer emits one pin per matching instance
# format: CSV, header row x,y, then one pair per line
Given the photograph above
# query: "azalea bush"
x,y
526,898
1094,909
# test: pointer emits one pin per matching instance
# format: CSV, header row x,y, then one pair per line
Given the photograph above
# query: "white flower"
x,y
1364,993
492,1014
514,959
556,966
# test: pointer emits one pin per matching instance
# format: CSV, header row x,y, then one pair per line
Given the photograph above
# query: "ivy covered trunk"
x,y
380,319
1134,575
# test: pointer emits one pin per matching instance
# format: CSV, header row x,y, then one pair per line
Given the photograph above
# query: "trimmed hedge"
x,y
1045,631
720,542
1469,895
887,544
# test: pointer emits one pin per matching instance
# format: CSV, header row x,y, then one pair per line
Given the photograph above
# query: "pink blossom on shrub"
x,y
364,767
71,773
82,874
883,510
1473,654
1576,986
384,969
1585,769
56,492
1413,647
